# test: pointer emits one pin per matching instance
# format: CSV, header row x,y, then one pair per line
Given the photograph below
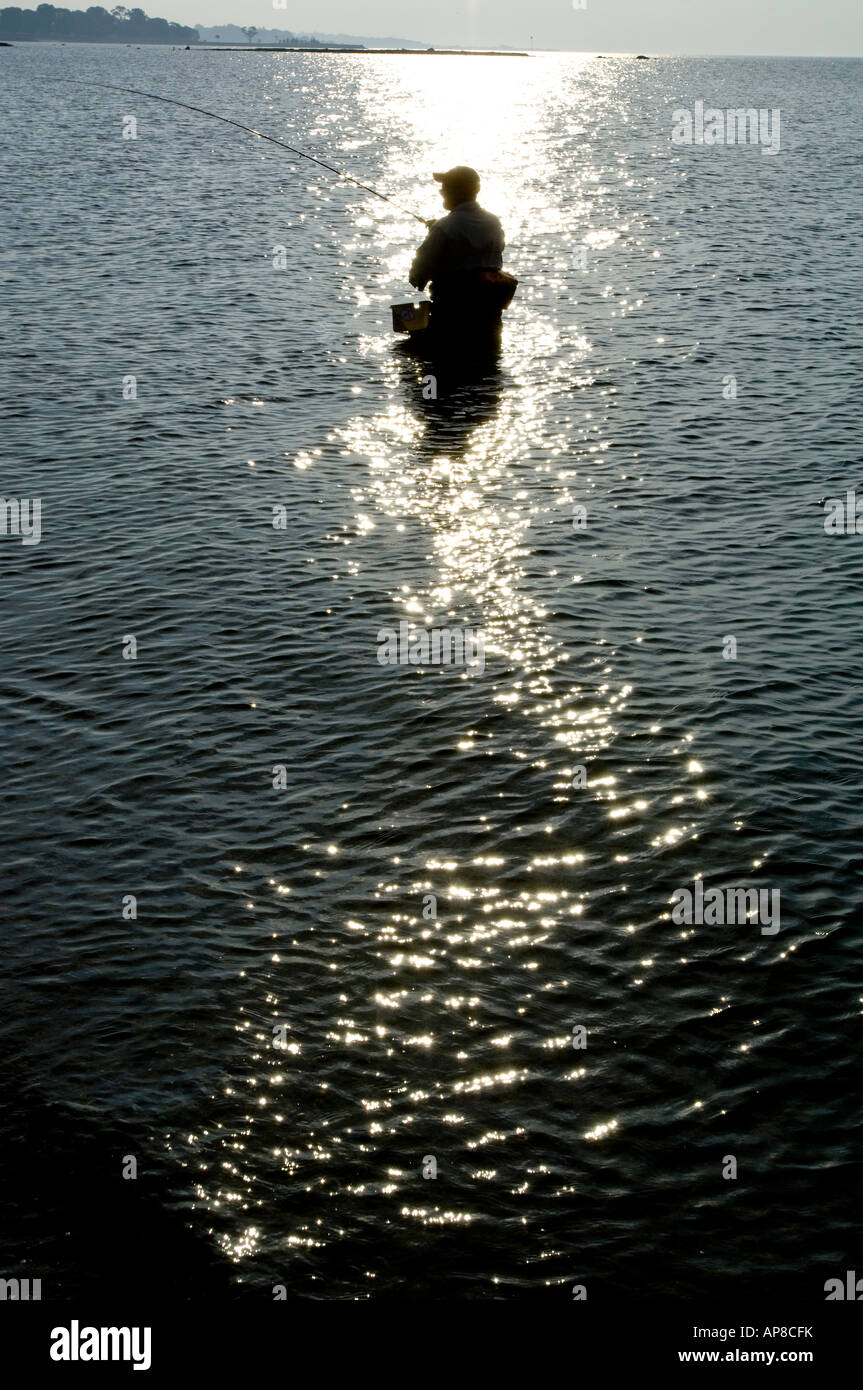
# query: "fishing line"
x,y
172,101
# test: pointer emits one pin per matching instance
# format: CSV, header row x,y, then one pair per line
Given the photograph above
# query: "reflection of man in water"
x,y
457,256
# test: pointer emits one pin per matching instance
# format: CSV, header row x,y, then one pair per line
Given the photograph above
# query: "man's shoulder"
x,y
488,219
467,214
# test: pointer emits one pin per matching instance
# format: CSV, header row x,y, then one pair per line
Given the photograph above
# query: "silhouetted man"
x,y
462,256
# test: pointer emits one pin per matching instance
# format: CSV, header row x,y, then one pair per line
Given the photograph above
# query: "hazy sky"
x,y
639,26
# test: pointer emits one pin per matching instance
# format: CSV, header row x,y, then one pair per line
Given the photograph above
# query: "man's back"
x,y
468,238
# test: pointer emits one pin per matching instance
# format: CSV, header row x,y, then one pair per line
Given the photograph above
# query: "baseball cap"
x,y
462,176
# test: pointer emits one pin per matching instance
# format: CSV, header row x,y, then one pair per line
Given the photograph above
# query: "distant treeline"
x,y
91,26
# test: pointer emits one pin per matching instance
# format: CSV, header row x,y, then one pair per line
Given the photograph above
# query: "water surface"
x,y
282,1037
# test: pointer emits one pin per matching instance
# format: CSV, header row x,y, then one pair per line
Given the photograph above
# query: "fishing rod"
x,y
172,101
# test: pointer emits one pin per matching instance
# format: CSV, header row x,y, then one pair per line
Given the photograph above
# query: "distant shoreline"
x,y
283,48
371,52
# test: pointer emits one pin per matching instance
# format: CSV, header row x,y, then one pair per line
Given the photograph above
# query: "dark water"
x,y
296,1157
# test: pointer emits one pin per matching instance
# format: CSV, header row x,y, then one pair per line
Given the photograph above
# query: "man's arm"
x,y
426,260
501,242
